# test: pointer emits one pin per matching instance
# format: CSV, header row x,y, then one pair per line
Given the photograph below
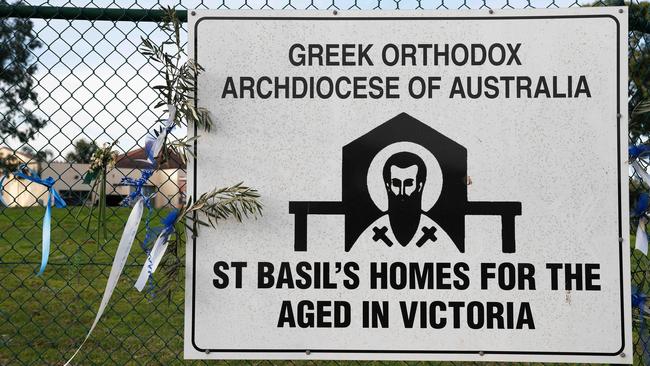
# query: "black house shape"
x,y
449,211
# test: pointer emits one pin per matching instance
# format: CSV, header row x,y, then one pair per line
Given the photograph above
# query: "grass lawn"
x,y
43,319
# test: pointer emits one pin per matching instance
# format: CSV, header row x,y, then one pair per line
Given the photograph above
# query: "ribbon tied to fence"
x,y
2,189
160,246
138,184
635,153
640,208
152,147
139,201
53,197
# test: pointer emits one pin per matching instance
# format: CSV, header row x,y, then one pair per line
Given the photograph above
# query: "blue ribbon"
x,y
641,205
137,193
148,236
167,227
637,151
2,200
138,184
148,149
165,231
169,220
53,196
150,145
169,127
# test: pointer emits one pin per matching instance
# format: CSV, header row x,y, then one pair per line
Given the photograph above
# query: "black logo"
x,y
404,184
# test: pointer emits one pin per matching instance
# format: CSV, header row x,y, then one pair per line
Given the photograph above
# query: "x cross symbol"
x,y
380,234
429,234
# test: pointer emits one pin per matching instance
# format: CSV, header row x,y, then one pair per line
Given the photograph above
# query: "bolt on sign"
x,y
436,186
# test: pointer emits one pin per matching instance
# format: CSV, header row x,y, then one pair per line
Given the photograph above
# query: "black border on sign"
x,y
468,352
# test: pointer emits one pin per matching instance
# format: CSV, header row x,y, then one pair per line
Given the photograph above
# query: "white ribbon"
x,y
160,140
153,259
641,172
121,255
641,243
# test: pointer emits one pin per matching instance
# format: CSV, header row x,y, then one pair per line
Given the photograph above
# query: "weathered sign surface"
x,y
436,186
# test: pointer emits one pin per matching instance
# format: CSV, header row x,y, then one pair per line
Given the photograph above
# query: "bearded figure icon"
x,y
404,185
404,176
405,180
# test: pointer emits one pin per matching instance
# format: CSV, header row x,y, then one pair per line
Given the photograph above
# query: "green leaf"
x,y
90,176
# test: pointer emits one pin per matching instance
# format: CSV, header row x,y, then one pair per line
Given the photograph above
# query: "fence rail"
x,y
92,84
75,13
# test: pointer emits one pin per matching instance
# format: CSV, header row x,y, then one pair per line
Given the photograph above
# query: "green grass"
x,y
44,319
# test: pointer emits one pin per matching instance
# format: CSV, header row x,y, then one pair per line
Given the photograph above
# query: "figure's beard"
x,y
404,215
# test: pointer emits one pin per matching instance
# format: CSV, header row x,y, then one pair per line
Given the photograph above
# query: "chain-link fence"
x,y
92,87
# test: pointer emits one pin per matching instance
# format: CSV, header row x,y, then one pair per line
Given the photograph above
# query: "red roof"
x,y
133,160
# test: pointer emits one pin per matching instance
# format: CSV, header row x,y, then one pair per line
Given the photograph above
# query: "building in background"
x,y
168,181
15,192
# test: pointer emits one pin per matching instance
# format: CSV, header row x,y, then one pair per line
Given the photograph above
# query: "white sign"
x,y
362,131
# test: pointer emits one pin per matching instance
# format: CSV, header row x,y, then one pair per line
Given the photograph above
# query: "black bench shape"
x,y
507,211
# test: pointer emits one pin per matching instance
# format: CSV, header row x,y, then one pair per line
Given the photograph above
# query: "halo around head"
x,y
375,180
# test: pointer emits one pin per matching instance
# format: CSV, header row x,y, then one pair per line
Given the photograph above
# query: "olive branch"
x,y
180,75
208,209
642,108
237,201
183,147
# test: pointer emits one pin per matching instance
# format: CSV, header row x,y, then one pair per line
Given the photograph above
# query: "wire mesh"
x,y
92,84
